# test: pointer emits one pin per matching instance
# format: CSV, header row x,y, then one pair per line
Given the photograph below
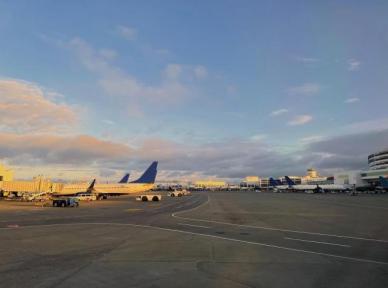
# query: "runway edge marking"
x,y
319,242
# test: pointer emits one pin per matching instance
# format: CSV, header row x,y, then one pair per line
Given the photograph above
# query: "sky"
x,y
211,89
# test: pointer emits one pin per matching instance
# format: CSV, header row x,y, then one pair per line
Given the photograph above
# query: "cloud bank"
x,y
27,107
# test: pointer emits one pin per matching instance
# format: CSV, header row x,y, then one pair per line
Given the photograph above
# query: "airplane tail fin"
x,y
272,182
91,186
149,175
124,179
383,182
289,181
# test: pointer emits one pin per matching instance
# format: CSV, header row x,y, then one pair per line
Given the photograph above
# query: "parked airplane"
x,y
273,182
81,190
316,188
302,187
143,184
277,184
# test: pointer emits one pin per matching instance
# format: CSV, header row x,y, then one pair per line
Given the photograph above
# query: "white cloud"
x,y
61,149
367,125
231,89
311,139
258,137
279,112
306,89
200,72
26,107
117,83
108,54
161,51
108,122
300,120
126,32
353,65
173,71
307,60
352,100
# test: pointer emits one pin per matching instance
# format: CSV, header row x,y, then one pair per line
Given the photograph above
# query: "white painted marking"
x,y
279,229
326,243
192,209
217,237
199,226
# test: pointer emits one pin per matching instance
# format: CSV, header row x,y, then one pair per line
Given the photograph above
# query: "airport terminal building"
x,y
5,174
378,167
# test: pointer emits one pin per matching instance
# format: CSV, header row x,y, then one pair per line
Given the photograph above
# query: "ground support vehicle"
x,y
149,197
66,202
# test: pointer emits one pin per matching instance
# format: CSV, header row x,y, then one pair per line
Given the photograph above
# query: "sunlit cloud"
x,y
300,120
57,149
27,107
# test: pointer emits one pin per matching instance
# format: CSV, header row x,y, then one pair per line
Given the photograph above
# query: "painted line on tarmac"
x,y
198,226
215,237
281,230
269,228
319,242
192,209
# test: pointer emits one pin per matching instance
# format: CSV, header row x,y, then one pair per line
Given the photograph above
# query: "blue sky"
x,y
188,80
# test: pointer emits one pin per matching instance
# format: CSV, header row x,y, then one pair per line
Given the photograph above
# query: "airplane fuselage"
x,y
113,188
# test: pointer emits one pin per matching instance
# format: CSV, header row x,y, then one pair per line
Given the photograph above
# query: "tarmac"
x,y
208,239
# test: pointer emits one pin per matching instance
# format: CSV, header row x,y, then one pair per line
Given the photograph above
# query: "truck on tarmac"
x,y
179,193
149,197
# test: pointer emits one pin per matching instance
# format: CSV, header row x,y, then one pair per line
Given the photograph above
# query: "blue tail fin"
x,y
289,181
383,182
149,175
272,182
125,178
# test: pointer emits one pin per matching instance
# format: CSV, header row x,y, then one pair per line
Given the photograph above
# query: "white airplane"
x,y
145,183
310,188
291,186
334,187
